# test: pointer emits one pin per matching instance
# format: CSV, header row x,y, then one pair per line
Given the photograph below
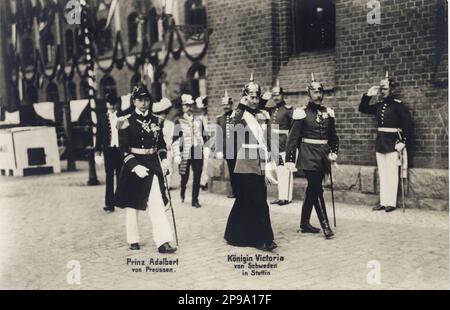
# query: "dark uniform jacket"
x,y
281,116
225,137
390,113
140,132
251,153
312,122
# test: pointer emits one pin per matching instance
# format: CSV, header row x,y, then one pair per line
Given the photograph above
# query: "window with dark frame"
x,y
195,12
69,42
104,38
108,88
197,80
314,25
132,22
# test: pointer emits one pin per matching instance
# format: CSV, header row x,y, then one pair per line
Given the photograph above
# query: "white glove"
x,y
373,91
219,155
332,157
399,146
141,171
165,165
267,95
177,159
290,166
99,159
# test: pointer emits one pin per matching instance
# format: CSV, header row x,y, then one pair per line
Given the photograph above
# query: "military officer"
x,y
313,133
393,137
226,141
189,138
162,108
281,119
201,104
141,186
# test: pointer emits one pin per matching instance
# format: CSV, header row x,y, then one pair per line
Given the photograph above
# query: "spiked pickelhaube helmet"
x,y
388,81
226,99
252,88
277,90
314,85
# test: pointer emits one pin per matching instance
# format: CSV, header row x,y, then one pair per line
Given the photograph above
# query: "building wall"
x,y
255,35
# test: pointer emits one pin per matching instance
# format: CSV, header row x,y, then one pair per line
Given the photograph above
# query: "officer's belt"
x,y
314,141
138,151
386,129
281,131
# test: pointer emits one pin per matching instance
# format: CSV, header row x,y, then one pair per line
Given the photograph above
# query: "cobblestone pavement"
x,y
48,221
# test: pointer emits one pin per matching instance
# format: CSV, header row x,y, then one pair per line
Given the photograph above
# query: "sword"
x,y
401,182
332,196
170,202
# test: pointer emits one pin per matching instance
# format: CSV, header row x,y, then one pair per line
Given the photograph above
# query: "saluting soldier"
x,y
226,141
141,186
189,138
313,133
393,136
281,120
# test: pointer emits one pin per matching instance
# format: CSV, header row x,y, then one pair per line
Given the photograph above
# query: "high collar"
x,y
138,112
188,117
315,107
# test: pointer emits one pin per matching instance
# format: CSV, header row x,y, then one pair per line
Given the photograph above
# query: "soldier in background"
x,y
201,104
107,142
281,120
162,109
226,140
393,136
189,138
313,133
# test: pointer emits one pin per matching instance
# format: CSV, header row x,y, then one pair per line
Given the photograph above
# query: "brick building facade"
x,y
410,42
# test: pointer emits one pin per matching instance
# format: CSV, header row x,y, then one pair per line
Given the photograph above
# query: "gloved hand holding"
x,y
219,155
177,160
373,91
332,157
399,146
165,165
141,171
290,166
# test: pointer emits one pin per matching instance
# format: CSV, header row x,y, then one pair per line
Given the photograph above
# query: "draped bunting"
x,y
46,110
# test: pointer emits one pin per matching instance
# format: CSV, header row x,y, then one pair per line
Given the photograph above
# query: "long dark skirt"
x,y
249,220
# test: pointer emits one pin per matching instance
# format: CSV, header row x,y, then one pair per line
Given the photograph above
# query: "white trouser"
x,y
285,181
162,231
388,173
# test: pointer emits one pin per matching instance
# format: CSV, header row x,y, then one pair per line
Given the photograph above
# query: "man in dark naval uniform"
x,y
281,120
313,133
141,184
225,140
393,136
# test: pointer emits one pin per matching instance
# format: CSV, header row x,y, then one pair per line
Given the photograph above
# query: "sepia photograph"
x,y
193,145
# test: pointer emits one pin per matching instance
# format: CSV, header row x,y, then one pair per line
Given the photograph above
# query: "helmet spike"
x,y
251,77
278,83
226,93
312,77
387,74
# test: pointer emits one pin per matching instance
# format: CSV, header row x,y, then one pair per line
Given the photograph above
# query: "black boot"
x,y
182,192
305,226
323,218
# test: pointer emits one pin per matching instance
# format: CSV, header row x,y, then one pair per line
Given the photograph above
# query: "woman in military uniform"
x,y
141,186
249,220
313,133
